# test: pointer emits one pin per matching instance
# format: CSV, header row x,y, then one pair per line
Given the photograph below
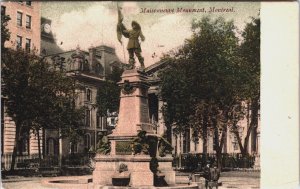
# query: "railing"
x,y
193,162
6,160
32,161
76,159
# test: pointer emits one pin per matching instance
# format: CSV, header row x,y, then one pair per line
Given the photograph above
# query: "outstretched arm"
x,y
124,31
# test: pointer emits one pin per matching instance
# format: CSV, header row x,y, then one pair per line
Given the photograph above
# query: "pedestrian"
x,y
214,175
206,171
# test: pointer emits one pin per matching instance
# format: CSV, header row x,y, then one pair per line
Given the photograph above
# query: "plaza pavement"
x,y
229,180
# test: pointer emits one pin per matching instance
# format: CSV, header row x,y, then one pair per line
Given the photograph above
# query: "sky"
x,y
87,24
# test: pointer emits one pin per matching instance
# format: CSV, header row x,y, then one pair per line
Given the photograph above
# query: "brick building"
x,y
25,33
25,24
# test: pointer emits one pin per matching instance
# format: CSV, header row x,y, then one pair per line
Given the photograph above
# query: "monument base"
x,y
138,167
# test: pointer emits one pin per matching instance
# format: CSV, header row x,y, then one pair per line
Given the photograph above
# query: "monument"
x,y
123,162
133,118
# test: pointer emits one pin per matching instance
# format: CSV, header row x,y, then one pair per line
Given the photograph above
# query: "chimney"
x,y
92,53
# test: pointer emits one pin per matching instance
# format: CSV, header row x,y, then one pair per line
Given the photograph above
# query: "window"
x,y
23,144
28,21
19,41
3,10
28,3
51,143
87,118
113,121
19,18
87,141
235,143
186,141
215,140
73,148
88,95
98,121
27,46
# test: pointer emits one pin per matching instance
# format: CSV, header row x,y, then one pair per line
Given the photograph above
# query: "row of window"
x,y
101,122
52,145
20,20
27,43
28,3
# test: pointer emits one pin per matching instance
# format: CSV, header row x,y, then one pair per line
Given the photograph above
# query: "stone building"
x,y
25,33
184,143
89,69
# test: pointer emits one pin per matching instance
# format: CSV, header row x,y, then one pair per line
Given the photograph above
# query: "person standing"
x,y
133,46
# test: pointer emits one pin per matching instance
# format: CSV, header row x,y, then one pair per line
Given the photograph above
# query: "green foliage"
x,y
38,97
103,146
108,94
250,51
210,77
5,34
164,147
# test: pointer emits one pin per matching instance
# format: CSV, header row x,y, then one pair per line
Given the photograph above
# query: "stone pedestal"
x,y
133,112
133,118
165,166
138,167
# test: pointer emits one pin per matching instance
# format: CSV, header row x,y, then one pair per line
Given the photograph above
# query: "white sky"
x,y
94,23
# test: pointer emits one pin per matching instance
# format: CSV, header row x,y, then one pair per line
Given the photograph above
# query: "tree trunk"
x,y
218,143
254,122
239,140
204,137
14,154
253,125
39,144
219,146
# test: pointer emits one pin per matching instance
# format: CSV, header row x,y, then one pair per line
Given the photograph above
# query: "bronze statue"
x,y
133,46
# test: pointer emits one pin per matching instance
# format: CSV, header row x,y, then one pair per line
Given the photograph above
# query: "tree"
x,y
109,93
38,97
201,86
250,81
5,34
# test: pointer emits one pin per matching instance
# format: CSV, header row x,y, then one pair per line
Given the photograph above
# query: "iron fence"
x,y
33,161
196,161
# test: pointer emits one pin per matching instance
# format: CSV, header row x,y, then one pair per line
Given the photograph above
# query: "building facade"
x,y
24,28
89,69
185,143
25,24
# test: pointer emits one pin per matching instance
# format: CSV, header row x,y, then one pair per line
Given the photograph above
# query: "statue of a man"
x,y
133,46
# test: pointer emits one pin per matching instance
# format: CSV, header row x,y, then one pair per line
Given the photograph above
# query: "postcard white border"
x,y
280,95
